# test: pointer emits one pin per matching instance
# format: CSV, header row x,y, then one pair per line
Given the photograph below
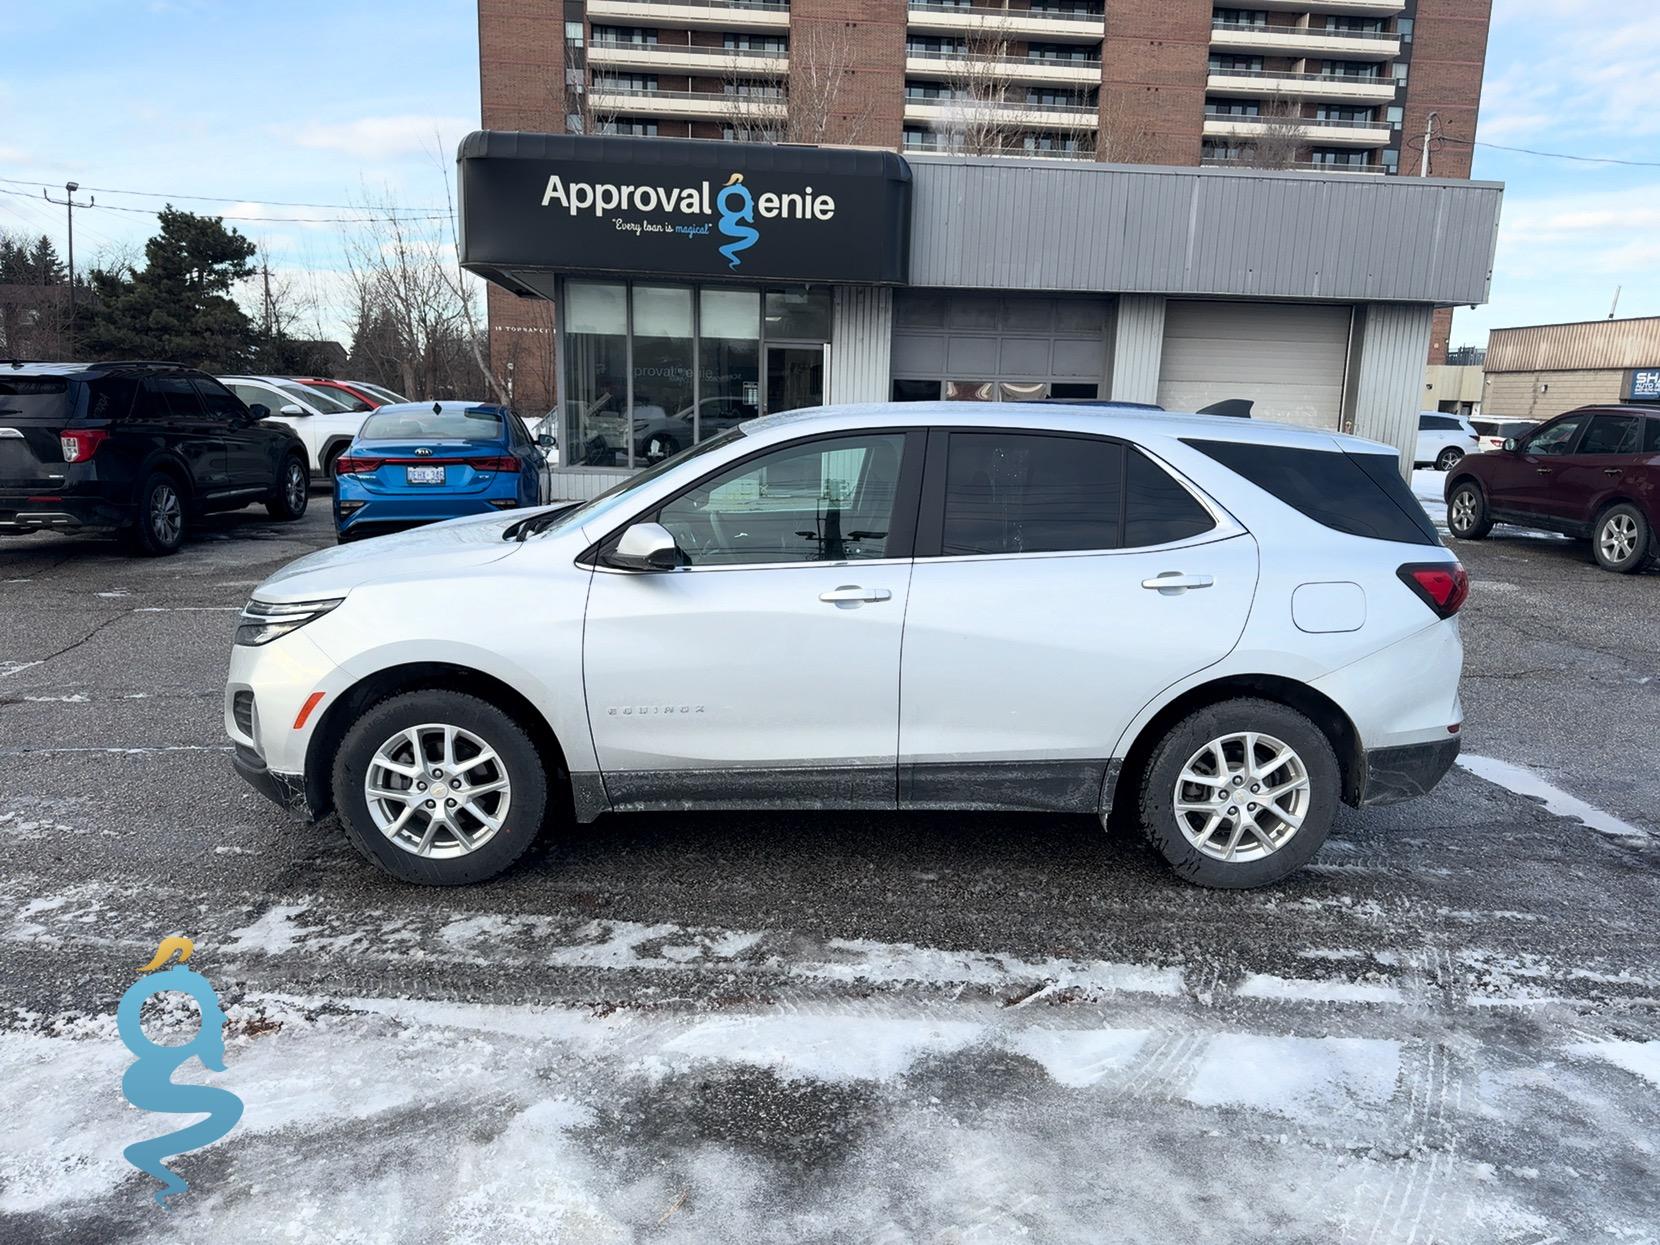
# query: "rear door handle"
x,y
1544,471
1171,582
852,592
1613,471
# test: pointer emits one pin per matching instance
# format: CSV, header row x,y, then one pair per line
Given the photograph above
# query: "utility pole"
x,y
1429,132
68,203
1616,305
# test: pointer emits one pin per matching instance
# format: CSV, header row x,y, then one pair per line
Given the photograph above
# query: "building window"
x,y
573,34
661,402
596,393
1342,112
1056,97
1221,62
1221,150
930,91
1233,108
1054,52
1348,69
802,315
935,45
625,82
624,34
1399,72
636,127
1396,115
1238,17
1391,159
754,43
1403,28
1344,159
1354,25
728,359
916,391
762,90
1038,144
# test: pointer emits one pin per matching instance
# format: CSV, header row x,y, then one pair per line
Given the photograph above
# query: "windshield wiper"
x,y
525,528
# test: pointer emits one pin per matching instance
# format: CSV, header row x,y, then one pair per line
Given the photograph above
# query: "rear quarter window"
x,y
1361,494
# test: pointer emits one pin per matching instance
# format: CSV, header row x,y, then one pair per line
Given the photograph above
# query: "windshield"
x,y
422,423
614,497
350,400
314,398
380,391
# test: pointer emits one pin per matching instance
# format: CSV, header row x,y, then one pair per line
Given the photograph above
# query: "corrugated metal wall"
x,y
861,344
1387,376
1138,345
1048,225
1586,346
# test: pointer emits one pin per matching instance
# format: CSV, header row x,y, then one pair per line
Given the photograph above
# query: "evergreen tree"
x,y
178,306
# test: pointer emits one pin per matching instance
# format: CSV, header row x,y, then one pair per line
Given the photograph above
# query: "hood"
x,y
425,553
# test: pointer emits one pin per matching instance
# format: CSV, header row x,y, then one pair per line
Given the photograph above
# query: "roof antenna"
x,y
437,408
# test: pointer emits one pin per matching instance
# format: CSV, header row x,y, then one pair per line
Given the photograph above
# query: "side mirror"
x,y
292,408
1510,445
646,547
546,441
260,411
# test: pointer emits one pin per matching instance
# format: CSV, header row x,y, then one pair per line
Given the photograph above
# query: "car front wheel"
x,y
440,788
1240,793
1448,458
1621,539
1467,516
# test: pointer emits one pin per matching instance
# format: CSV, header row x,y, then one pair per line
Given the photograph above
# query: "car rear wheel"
x,y
158,528
1448,458
1240,793
1467,516
293,490
1621,539
439,788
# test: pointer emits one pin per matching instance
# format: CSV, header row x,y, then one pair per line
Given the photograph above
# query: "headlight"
x,y
264,621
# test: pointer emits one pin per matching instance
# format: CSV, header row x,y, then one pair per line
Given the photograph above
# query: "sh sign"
x,y
1645,385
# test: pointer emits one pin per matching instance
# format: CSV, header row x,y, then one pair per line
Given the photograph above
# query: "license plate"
x,y
425,475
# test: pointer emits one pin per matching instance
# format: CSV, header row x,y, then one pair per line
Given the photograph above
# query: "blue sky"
x,y
343,102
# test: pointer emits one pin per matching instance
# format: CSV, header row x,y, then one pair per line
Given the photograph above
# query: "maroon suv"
x,y
1594,472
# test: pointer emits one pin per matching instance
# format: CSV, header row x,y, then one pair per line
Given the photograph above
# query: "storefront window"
x,y
798,315
596,345
663,389
729,359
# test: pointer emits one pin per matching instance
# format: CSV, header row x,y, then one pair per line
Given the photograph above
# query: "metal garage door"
x,y
1288,358
982,346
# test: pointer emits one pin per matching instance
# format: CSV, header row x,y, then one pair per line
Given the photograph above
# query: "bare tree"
x,y
814,103
1115,145
1279,142
758,106
979,119
578,113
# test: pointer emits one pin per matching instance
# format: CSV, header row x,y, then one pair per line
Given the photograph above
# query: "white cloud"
x,y
371,138
1589,71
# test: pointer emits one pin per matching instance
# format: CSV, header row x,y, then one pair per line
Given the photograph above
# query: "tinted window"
x,y
1008,493
1362,494
1651,437
391,423
270,399
111,397
916,390
318,399
176,396
1158,510
1437,423
219,402
1611,434
1558,438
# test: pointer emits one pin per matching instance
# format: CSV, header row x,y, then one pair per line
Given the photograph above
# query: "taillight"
x,y
1442,586
346,465
505,463
80,444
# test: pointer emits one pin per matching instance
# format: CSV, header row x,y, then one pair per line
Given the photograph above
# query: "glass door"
x,y
795,377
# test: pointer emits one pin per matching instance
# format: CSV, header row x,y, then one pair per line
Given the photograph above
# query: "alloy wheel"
x,y
437,790
166,514
1449,458
294,486
1462,516
1618,537
1242,796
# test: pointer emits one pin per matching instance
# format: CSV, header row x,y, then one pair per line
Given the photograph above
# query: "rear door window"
x,y
219,402
1157,509
1651,436
1015,493
174,396
1611,434
1361,494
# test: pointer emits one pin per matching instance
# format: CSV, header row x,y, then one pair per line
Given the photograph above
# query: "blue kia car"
x,y
413,463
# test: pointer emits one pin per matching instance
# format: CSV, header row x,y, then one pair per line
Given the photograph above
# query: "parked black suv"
x,y
138,447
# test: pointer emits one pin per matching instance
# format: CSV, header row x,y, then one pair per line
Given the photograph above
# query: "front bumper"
x,y
287,791
273,682
1406,771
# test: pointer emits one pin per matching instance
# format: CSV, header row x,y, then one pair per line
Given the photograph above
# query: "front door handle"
x,y
851,593
1544,471
1171,582
1613,471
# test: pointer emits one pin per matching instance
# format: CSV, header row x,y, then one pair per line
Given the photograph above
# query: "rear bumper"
x,y
1405,772
385,514
41,513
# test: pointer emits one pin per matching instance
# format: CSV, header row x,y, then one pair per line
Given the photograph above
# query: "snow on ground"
x,y
1524,781
1427,486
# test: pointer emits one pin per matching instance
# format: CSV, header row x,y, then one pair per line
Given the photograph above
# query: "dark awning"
x,y
538,204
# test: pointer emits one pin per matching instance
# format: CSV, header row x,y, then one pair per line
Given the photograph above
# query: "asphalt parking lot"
x,y
943,1027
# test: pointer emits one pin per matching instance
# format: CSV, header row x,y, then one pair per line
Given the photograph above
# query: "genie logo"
x,y
149,1083
737,206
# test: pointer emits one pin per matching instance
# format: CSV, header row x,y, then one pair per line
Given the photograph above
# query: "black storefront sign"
x,y
563,203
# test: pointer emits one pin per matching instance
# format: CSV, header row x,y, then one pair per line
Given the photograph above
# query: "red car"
x,y
361,398
1594,473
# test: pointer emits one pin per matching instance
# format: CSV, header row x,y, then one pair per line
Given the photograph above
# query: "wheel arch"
x,y
350,704
171,465
334,445
1326,714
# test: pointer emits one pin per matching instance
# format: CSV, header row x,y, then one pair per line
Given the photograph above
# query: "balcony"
x,y
686,105
941,144
693,14
942,17
1338,88
1342,8
1351,45
1326,133
1040,69
985,114
682,58
1297,166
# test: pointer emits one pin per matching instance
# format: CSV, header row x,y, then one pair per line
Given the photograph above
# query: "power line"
x,y
1553,155
273,220
153,194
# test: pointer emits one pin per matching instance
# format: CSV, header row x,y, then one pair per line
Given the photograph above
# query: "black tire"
x,y
1448,458
1621,527
289,502
1479,522
1171,756
519,761
329,456
160,517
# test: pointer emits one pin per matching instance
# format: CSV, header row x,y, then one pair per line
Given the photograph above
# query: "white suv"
x,y
1223,627
1443,440
325,423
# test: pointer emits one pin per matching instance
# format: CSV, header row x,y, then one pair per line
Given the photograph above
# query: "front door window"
x,y
1558,438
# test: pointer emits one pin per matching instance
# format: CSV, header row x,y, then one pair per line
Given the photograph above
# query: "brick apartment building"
x,y
1338,87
